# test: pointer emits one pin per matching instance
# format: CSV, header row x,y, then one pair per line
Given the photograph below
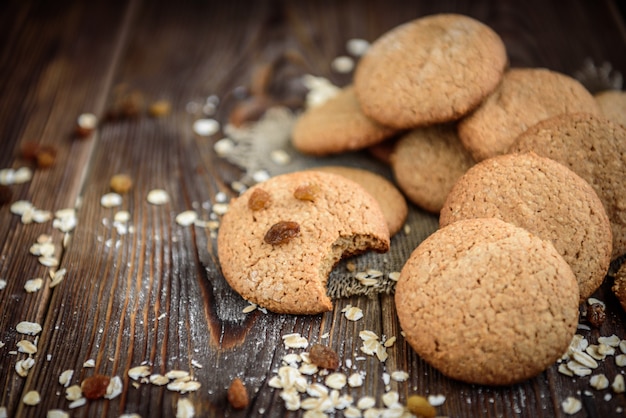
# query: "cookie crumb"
x,y
324,357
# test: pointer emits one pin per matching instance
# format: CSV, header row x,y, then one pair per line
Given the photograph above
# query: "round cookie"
x,y
525,97
486,302
389,198
593,147
337,125
427,162
613,105
547,199
281,238
432,69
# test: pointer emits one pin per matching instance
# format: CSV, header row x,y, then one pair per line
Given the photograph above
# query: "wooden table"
x,y
153,294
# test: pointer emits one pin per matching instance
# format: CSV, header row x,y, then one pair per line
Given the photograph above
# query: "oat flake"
x,y
158,197
184,408
57,413
25,346
28,328
31,398
206,127
78,403
436,400
33,285
357,46
89,363
3,284
73,393
114,388
138,372
186,218
65,377
571,405
110,200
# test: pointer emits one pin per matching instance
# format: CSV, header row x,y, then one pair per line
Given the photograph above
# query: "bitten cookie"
x,y
486,302
432,69
613,105
593,147
281,238
427,162
525,97
546,198
389,198
337,125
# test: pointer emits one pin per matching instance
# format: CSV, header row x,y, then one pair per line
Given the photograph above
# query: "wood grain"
x,y
155,295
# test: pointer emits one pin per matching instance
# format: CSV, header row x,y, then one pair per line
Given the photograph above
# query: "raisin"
x,y
46,155
95,387
324,357
259,199
596,315
282,232
237,394
307,191
121,183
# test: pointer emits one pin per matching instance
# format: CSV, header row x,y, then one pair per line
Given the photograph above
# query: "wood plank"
x,y
50,74
155,295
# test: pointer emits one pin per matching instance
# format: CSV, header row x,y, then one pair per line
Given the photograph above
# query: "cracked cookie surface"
x,y
544,197
486,302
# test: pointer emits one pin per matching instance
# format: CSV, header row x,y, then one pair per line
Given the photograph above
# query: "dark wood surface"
x,y
155,296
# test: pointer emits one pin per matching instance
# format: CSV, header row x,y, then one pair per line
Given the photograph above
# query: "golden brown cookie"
x,y
337,125
427,162
545,197
432,69
389,198
281,238
525,97
593,147
613,105
487,302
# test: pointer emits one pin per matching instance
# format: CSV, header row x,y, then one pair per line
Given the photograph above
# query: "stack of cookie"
x,y
524,171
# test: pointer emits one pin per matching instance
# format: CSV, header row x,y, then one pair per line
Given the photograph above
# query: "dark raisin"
x,y
324,357
596,314
282,232
95,387
237,394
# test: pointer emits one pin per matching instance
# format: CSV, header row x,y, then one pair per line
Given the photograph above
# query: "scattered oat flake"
x,y
206,127
618,385
111,200
73,393
186,218
114,388
158,197
342,64
159,379
612,340
620,360
22,175
353,313
89,363
177,374
336,380
394,276
366,402
121,216
3,284
599,381
355,380
65,377
28,328
139,372
220,208
33,285
22,367
250,308
280,157
78,403
571,405
32,398
57,413
400,376
295,340
25,346
58,277
436,400
184,408
357,46
20,207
